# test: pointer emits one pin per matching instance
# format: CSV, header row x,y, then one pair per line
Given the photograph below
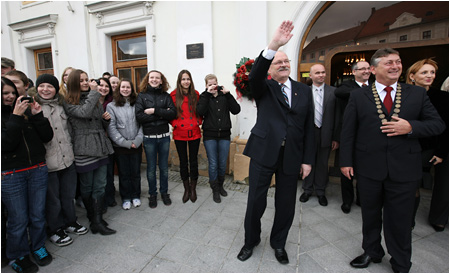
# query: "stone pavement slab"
x,y
205,237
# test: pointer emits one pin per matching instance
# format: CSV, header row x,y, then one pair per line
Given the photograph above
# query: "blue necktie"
x,y
286,98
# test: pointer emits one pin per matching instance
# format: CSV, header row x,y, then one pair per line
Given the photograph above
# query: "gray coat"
x,y
123,128
59,153
89,135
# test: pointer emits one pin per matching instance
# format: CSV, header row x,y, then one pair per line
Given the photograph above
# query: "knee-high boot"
x,y
216,191
90,209
96,223
222,191
193,194
187,191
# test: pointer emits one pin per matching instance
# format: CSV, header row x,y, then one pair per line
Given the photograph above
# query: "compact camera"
x,y
29,99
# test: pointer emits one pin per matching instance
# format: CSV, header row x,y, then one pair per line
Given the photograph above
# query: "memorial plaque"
x,y
194,51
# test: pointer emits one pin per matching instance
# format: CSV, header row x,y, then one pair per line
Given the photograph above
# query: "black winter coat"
x,y
165,111
23,139
216,114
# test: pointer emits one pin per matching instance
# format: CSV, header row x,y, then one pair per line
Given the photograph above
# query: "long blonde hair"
x,y
62,86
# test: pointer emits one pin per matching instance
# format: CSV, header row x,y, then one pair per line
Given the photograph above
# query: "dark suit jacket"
x,y
439,144
276,121
342,94
371,152
328,132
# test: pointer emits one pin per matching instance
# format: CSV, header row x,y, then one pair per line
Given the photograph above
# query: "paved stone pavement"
x,y
206,237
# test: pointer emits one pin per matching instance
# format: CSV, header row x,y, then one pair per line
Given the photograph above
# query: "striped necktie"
x,y
318,109
286,98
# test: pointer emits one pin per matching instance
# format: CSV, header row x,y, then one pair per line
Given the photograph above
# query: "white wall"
x,y
229,30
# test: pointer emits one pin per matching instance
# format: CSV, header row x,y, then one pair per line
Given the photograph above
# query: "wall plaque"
x,y
194,51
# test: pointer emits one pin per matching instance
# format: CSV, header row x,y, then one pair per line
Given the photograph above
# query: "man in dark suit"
x,y
325,135
361,72
280,143
379,142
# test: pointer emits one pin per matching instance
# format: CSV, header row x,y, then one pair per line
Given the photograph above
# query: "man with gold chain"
x,y
379,142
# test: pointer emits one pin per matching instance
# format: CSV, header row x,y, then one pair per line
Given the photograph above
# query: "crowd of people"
x,y
61,141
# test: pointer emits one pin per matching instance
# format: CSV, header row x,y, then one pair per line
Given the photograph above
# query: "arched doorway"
x,y
417,29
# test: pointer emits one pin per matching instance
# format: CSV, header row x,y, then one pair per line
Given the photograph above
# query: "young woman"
x,y
63,83
21,81
106,91
215,105
25,130
90,144
434,149
62,176
154,111
186,132
114,80
127,136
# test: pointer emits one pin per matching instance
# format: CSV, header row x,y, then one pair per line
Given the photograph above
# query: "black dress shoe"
x,y
363,261
281,255
323,200
346,208
246,253
304,197
438,228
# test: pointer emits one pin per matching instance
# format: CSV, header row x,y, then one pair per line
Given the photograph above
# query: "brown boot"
x,y
187,191
193,195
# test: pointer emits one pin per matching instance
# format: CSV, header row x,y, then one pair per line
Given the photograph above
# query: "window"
x,y
130,56
322,53
403,37
43,61
313,55
382,41
426,34
303,57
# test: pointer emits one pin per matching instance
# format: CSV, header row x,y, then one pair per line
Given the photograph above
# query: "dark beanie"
x,y
48,78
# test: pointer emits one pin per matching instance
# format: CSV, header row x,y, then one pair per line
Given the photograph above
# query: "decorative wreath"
x,y
241,78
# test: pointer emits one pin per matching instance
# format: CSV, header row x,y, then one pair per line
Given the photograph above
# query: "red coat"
x,y
187,126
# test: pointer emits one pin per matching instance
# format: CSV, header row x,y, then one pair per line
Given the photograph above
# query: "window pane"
x,y
132,49
124,73
45,61
139,75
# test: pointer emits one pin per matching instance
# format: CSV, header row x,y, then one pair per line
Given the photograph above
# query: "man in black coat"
x,y
379,141
361,72
281,143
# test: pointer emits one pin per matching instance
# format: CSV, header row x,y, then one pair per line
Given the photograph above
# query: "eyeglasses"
x,y
363,69
281,62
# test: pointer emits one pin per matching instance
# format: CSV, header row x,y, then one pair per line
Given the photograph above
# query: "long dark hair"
x,y
7,110
119,99
192,95
144,83
74,87
7,82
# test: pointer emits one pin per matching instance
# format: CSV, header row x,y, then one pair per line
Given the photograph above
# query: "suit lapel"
x,y
295,96
278,93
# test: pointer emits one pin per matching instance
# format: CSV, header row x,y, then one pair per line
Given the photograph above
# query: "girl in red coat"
x,y
186,132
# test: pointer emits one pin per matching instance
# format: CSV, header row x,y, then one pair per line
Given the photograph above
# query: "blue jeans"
x,y
129,166
92,183
157,149
217,152
24,194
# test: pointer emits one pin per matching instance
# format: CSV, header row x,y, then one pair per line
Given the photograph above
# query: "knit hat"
x,y
48,78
